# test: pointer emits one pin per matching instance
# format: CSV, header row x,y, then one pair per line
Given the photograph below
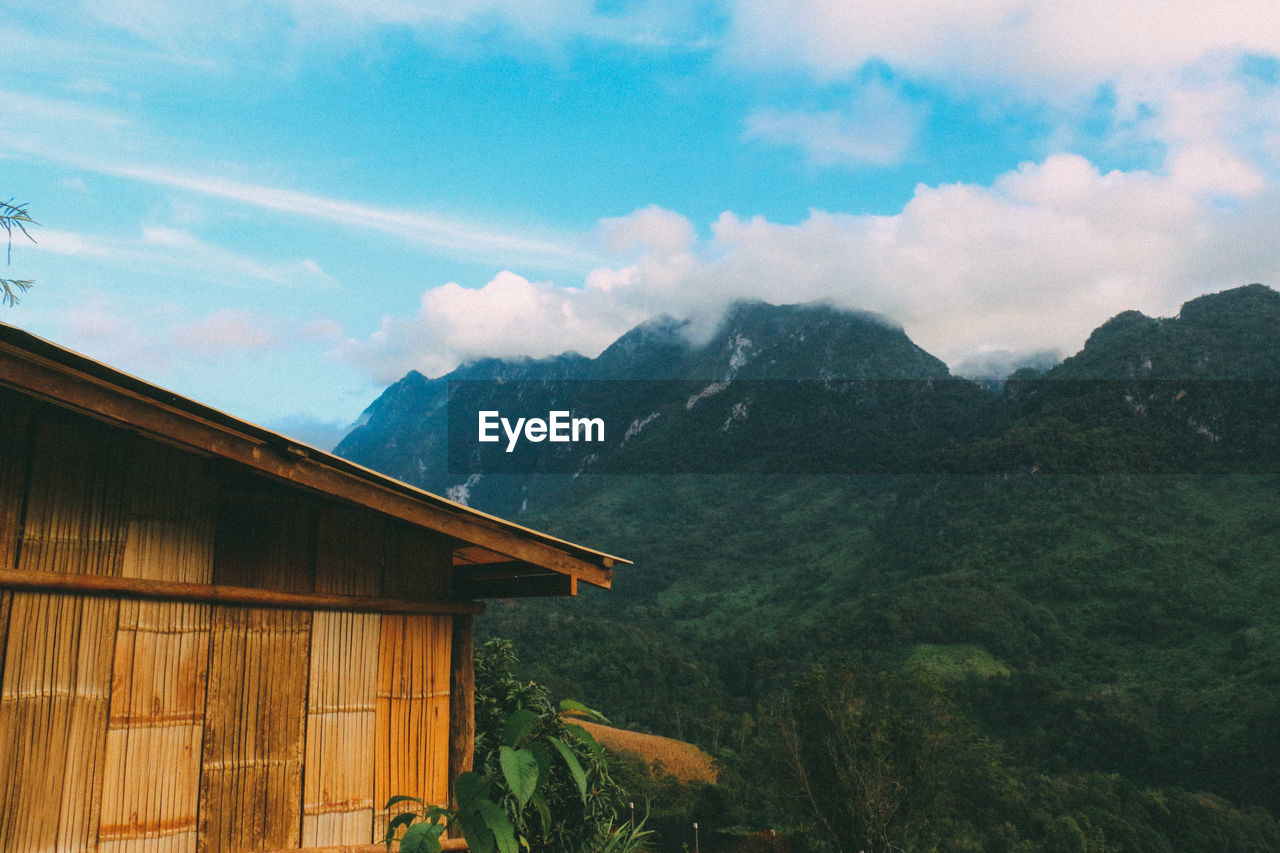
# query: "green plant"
x,y
541,782
626,839
14,216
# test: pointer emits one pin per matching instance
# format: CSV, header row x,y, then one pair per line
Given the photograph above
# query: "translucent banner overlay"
x,y
565,427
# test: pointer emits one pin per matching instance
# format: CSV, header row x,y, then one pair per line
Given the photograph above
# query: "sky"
x,y
279,207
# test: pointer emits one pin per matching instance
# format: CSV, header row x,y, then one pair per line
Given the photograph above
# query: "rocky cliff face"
x,y
751,387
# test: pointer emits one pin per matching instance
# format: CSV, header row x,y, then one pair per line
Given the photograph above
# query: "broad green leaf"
x,y
577,708
540,803
402,798
543,755
422,838
517,726
476,831
582,734
468,786
575,767
521,771
398,821
495,818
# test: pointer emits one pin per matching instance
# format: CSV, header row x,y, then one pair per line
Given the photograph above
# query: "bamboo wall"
x,y
139,725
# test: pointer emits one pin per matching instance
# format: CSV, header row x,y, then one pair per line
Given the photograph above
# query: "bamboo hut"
x,y
213,638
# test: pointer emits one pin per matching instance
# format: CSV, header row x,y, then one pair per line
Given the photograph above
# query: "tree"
x,y
14,216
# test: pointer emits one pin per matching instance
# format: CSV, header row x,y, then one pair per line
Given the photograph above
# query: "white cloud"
x,y
317,432
1174,66
454,235
1032,263
1024,42
67,132
508,317
651,230
168,248
166,338
326,331
223,333
28,122
877,128
214,34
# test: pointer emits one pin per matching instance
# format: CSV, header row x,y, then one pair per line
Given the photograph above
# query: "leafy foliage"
x,y
14,216
541,781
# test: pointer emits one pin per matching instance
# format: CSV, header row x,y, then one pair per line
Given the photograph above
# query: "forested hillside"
x,y
1055,628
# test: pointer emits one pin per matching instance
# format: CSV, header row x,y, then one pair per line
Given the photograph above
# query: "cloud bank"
x,y
1031,263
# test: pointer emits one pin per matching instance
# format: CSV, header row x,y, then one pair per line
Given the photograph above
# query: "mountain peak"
x,y
814,340
1250,304
1228,335
654,349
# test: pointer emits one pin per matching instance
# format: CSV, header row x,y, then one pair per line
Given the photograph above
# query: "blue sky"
x,y
279,207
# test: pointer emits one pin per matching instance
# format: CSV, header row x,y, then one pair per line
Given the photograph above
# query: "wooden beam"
x,y
180,422
492,571
210,593
523,586
445,844
462,700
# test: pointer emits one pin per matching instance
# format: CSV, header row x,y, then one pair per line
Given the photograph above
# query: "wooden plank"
x,y
53,715
152,774
462,697
412,736
519,586
186,424
213,594
338,803
251,764
445,844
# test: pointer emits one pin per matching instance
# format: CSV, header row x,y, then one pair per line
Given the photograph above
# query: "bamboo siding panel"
x,y
152,775
251,766
265,538
417,564
338,802
413,711
53,721
15,413
76,498
170,530
349,552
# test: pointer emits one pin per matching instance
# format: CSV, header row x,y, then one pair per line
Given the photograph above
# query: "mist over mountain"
x,y
763,388
815,389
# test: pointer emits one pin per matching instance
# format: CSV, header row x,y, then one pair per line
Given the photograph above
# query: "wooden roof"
x,y
493,558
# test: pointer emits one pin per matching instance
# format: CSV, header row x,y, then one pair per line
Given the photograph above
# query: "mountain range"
x,y
1083,561
812,389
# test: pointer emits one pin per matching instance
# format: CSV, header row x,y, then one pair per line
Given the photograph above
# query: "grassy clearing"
x,y
682,760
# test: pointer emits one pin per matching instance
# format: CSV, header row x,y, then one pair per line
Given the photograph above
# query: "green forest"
x,y
1052,627
1034,662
